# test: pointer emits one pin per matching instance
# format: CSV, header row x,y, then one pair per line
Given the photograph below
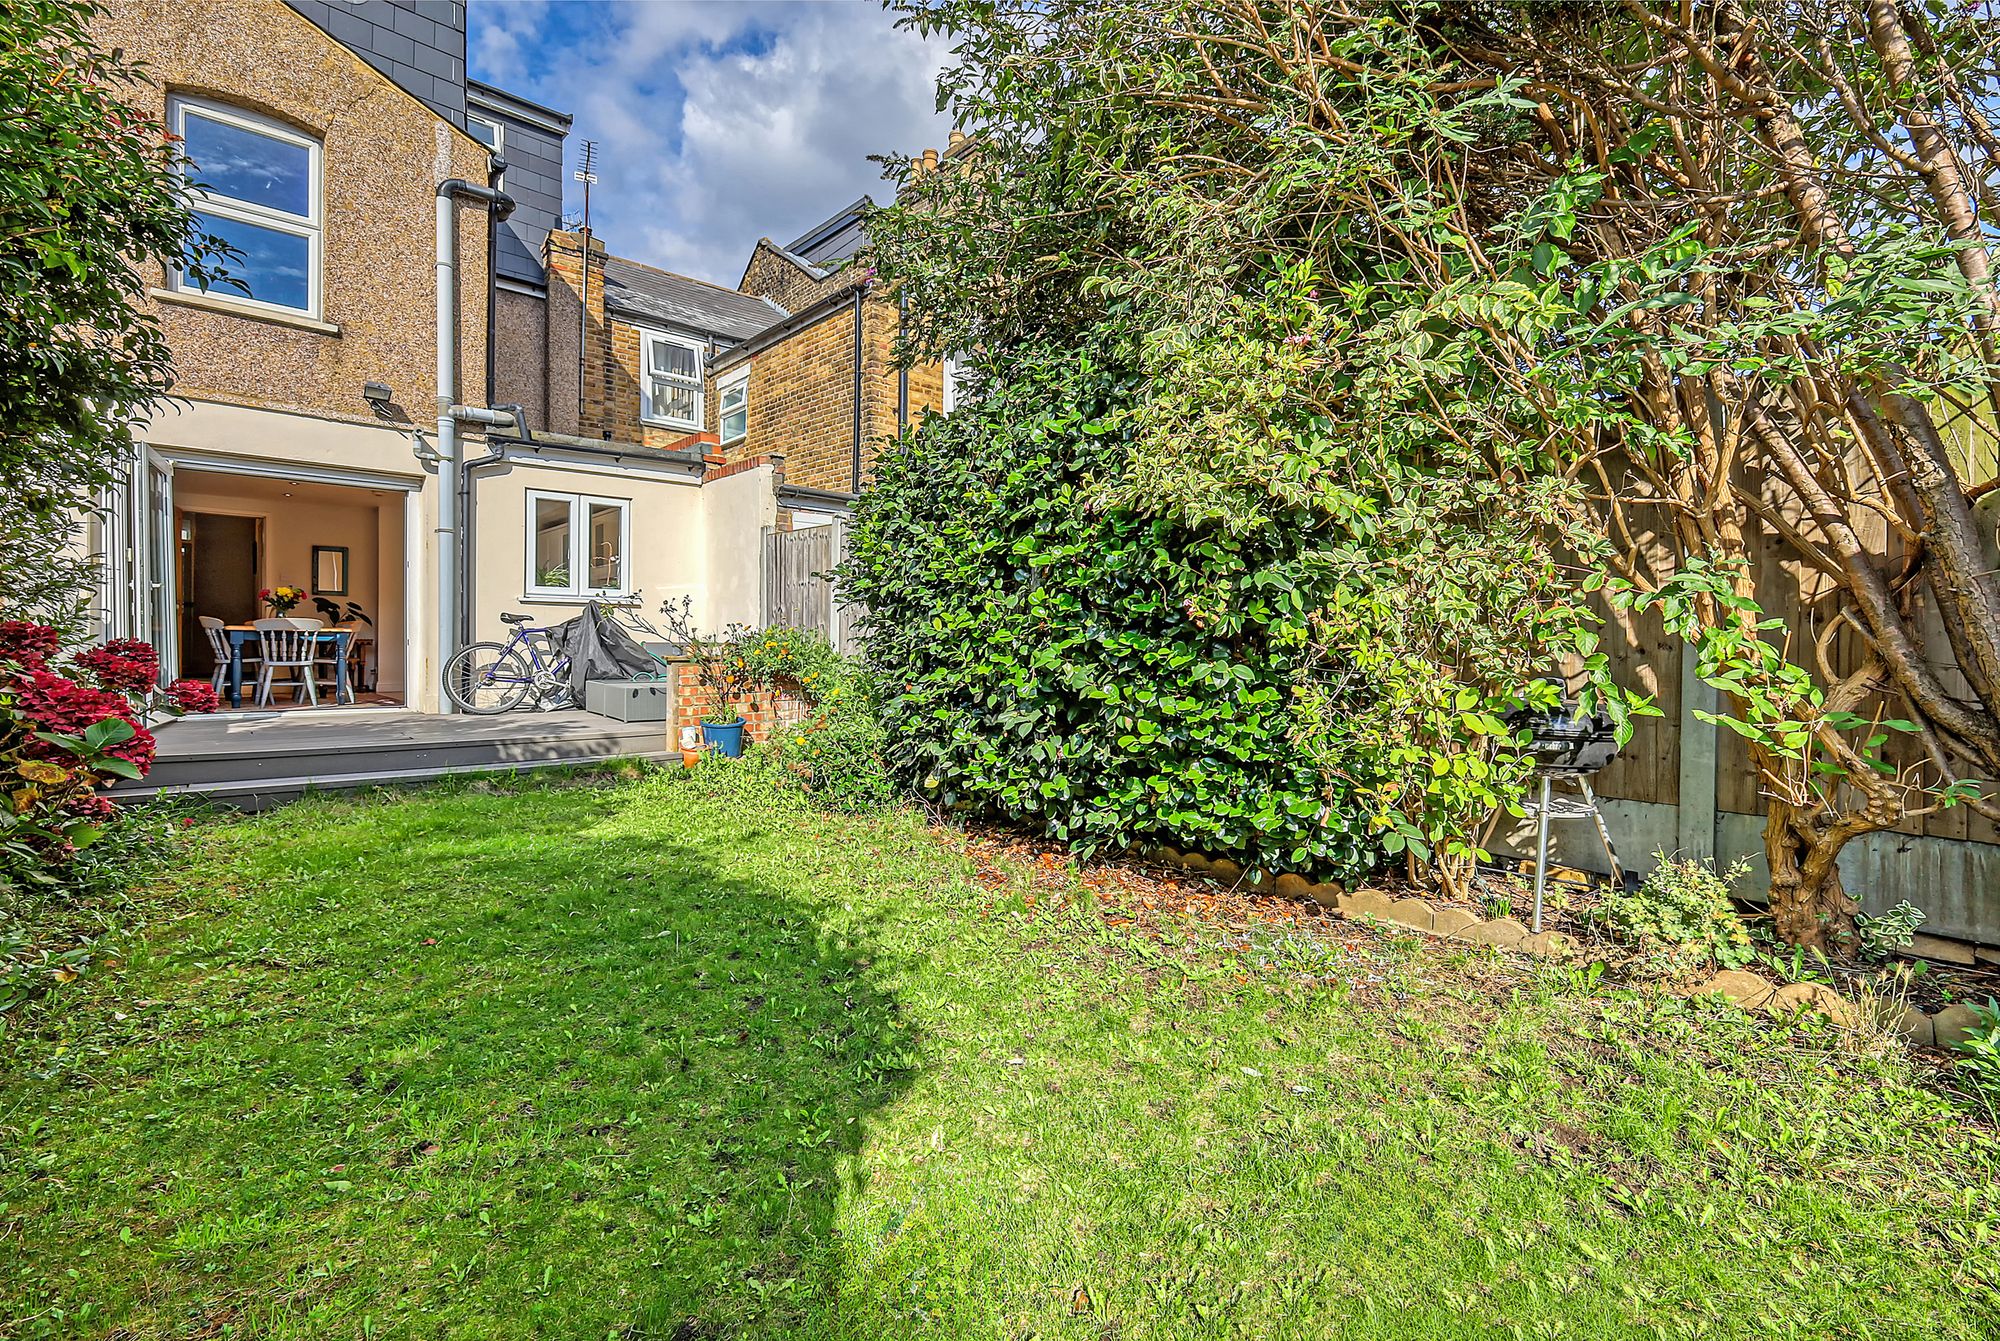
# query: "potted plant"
x,y
723,672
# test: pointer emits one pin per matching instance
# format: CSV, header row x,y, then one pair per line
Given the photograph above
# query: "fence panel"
x,y
798,580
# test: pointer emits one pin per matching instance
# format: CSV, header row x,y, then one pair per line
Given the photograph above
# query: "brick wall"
x,y
802,404
801,389
774,275
765,712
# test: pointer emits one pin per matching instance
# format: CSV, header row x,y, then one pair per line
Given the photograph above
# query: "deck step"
x,y
261,760
260,793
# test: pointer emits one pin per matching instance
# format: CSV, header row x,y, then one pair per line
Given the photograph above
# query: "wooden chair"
x,y
330,654
218,643
287,644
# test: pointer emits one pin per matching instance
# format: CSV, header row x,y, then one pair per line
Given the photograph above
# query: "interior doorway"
x,y
221,557
341,545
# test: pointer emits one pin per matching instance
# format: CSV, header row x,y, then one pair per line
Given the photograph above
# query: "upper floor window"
x,y
259,191
733,397
487,132
670,388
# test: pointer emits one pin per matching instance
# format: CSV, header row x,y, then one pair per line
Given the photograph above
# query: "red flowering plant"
x,y
67,731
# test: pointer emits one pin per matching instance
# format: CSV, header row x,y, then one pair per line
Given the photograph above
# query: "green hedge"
x,y
1100,675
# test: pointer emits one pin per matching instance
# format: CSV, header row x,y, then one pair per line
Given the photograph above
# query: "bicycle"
x,y
487,678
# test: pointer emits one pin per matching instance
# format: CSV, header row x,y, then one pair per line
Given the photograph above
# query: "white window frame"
x,y
736,381
579,540
950,391
308,227
647,339
499,145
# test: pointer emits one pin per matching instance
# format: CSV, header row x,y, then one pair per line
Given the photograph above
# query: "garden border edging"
x,y
1945,1029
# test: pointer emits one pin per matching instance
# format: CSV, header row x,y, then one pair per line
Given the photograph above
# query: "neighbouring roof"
x,y
636,290
830,243
499,99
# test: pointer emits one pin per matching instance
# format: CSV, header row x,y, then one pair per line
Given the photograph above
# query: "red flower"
x,y
49,702
126,665
193,696
90,806
27,644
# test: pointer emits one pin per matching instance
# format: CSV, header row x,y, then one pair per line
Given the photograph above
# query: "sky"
x,y
717,121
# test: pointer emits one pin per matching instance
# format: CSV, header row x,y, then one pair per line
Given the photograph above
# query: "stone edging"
x,y
1945,1029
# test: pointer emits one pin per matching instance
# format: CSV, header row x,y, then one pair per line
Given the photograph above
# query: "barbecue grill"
x,y
1570,746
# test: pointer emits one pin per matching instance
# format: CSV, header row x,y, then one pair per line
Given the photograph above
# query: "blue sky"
x,y
718,121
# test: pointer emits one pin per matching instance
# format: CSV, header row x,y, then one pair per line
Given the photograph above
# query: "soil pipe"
x,y
500,205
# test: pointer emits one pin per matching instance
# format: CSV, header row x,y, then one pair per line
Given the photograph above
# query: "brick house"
x,y
793,372
618,433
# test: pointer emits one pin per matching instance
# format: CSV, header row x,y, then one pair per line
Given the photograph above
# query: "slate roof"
x,y
834,241
635,290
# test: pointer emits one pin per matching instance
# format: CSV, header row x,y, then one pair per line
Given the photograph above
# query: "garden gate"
x,y
799,591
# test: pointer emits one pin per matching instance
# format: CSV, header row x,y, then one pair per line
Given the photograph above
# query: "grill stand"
x,y
1552,807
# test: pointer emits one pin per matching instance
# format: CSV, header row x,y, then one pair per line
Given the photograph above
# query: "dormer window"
x,y
670,393
257,187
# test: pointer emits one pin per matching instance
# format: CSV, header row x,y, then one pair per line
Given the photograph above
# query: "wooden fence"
x,y
799,591
1684,786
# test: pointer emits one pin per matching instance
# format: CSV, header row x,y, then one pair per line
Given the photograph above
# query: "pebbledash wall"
x,y
261,390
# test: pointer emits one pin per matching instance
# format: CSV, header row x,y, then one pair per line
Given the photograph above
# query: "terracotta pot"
x,y
689,758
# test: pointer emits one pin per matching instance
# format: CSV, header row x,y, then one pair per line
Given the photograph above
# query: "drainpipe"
x,y
496,174
500,205
902,368
468,532
858,294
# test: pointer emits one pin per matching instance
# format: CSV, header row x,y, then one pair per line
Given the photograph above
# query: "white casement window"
x,y
578,545
487,131
257,187
670,385
733,407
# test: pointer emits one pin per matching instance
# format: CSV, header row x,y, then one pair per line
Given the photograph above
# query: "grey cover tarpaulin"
x,y
599,648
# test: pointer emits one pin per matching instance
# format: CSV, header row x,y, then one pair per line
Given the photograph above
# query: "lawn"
x,y
660,1057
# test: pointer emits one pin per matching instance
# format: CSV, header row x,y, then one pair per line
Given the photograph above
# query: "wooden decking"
x,y
253,760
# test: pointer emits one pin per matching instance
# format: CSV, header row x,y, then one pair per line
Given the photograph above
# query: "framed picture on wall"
x,y
329,570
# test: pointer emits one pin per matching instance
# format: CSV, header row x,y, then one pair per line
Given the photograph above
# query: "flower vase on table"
x,y
281,600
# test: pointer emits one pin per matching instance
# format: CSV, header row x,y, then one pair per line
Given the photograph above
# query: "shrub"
x,y
1882,937
67,731
1285,680
719,667
836,753
1979,1056
1101,675
1681,915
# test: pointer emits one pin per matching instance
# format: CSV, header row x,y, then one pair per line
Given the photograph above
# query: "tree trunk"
x,y
1809,905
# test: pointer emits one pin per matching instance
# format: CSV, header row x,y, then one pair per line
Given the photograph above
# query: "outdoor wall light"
x,y
377,393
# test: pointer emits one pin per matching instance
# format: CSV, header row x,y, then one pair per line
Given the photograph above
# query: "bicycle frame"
x,y
528,640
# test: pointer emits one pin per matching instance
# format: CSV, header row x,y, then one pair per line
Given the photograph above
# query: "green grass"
x,y
671,1058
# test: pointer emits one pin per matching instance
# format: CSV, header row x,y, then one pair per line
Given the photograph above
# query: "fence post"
x,y
1696,815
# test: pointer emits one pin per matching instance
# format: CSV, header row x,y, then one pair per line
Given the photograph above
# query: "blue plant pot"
x,y
726,740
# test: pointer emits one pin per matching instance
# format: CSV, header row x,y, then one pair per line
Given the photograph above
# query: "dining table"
x,y
245,635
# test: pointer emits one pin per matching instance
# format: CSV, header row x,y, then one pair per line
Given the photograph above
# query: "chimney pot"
x,y
930,160
957,138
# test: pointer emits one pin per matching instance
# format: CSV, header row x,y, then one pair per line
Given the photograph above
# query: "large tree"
x,y
1722,269
91,195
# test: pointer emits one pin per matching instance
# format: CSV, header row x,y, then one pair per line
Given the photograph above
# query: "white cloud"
x,y
718,123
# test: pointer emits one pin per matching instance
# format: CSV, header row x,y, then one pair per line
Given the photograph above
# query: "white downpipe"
x,y
449,413
447,437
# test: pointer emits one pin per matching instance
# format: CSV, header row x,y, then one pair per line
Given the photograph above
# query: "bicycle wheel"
x,y
487,678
